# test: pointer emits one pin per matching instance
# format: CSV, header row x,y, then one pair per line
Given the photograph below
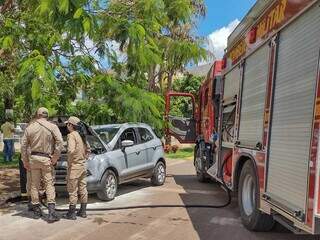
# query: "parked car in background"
x,y
120,153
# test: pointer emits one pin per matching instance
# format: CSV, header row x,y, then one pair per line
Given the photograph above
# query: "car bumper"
x,y
92,187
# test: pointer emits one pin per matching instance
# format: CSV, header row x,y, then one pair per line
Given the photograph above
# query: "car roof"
x,y
122,125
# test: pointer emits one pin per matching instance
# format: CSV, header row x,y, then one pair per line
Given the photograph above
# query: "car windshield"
x,y
107,133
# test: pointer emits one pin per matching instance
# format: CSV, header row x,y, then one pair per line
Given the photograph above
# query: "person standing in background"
x,y
8,129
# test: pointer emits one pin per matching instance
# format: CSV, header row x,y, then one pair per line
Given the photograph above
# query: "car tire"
x,y
109,186
159,174
201,175
248,199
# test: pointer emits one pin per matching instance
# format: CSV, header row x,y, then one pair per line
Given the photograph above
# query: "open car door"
x,y
180,117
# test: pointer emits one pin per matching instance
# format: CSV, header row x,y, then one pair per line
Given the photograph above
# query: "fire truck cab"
x,y
258,117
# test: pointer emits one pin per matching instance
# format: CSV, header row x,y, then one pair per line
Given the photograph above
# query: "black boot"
x,y
53,217
37,212
82,211
30,207
71,214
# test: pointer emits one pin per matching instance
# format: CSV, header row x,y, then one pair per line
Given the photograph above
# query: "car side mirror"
x,y
126,143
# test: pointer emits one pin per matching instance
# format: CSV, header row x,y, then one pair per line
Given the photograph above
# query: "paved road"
x,y
181,188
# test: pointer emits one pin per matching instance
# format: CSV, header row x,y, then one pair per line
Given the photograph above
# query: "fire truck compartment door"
x,y
253,97
231,84
292,114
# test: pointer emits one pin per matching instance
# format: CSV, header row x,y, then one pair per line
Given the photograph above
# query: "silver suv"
x,y
120,153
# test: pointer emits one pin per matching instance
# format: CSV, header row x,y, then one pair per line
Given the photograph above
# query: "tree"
x,y
42,58
109,100
182,106
45,57
156,36
188,84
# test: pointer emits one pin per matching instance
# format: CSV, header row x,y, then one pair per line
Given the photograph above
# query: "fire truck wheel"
x,y
198,161
248,198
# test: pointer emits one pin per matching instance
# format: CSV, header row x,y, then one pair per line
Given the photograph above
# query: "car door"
x,y
150,145
181,125
134,156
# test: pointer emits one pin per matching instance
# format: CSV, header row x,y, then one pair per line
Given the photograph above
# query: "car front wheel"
x,y
159,174
109,186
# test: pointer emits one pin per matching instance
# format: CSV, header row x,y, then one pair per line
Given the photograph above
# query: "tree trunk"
x,y
8,105
6,5
151,78
169,88
170,79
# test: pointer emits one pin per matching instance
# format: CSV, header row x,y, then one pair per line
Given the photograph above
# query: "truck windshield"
x,y
107,134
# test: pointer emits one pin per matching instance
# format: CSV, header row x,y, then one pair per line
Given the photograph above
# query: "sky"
x,y
222,17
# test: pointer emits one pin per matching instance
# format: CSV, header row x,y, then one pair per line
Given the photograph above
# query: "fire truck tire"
x,y
248,198
201,175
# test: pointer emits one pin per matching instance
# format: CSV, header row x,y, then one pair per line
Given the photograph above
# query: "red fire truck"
x,y
258,116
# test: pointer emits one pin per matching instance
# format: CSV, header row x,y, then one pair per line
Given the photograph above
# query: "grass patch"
x,y
13,164
184,153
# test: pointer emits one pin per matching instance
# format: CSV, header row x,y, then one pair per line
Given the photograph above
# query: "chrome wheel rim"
x,y
111,186
248,195
161,173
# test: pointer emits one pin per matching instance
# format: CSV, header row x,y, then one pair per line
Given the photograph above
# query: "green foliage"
x,y
7,42
78,13
13,164
182,106
45,58
2,116
123,102
184,153
154,33
188,84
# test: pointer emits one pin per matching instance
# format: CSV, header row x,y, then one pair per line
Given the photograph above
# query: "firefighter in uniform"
x,y
45,143
78,151
28,172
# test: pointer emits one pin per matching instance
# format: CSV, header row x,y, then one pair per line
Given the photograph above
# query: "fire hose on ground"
x,y
150,206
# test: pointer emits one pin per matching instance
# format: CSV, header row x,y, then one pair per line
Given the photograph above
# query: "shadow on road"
x,y
223,223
